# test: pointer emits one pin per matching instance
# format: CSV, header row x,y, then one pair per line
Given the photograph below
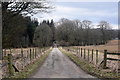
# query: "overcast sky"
x,y
93,11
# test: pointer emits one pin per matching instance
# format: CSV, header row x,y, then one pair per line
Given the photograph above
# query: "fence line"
x,y
93,56
107,58
17,61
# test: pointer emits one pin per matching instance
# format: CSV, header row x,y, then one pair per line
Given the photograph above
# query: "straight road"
x,y
57,65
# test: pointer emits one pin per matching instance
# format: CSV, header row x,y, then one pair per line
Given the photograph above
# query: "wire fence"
x,y
15,60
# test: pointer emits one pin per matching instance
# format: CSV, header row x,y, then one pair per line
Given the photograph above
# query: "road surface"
x,y
57,65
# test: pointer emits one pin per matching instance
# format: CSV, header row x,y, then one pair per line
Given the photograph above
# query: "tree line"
x,y
18,27
73,33
20,30
77,33
81,33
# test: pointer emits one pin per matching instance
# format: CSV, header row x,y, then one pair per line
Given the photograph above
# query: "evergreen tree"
x,y
42,36
52,26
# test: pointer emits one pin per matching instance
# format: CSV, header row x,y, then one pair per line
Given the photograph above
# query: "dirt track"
x,y
58,65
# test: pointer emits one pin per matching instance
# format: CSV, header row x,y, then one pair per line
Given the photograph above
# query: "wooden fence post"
x,y
40,51
92,54
81,52
77,50
96,56
21,53
105,59
5,53
10,68
88,54
118,64
27,54
35,53
84,54
10,51
22,58
30,55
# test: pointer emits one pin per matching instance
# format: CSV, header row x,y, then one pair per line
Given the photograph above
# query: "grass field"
x,y
112,47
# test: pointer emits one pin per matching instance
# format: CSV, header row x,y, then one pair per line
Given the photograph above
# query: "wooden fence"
x,y
106,53
99,59
15,60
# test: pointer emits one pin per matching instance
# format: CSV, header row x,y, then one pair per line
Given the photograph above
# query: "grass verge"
x,y
90,68
30,69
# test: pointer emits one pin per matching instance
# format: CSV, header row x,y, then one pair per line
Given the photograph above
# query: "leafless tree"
x,y
86,25
104,26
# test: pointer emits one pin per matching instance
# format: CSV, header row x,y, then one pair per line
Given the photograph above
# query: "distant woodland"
x,y
20,30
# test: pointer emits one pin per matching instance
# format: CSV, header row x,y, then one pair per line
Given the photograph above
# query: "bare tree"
x,y
104,26
86,25
75,32
26,7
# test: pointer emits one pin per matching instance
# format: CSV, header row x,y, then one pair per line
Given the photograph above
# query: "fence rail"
x,y
15,60
106,53
113,59
113,53
96,57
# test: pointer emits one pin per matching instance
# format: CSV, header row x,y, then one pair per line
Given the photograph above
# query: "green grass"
x,y
30,69
90,68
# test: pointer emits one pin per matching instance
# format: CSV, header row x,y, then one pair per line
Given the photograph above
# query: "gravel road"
x,y
57,65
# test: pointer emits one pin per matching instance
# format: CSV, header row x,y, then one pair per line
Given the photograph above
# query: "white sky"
x,y
85,0
93,11
64,0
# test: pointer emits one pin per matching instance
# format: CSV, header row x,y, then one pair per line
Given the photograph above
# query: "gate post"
x,y
105,59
